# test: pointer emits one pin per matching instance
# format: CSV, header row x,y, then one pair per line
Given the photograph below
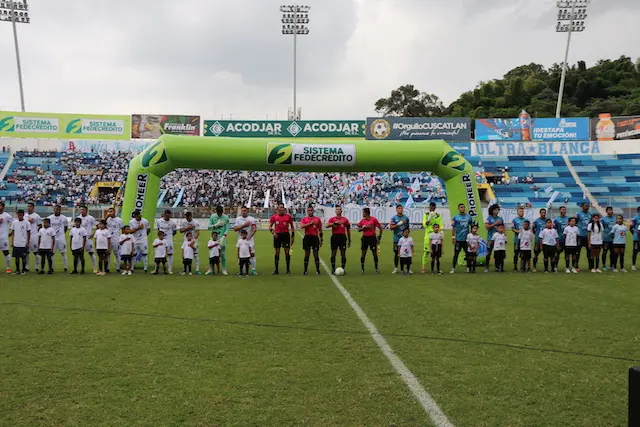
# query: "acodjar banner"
x,y
53,125
285,129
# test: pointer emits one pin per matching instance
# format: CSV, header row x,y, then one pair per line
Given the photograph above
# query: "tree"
x,y
407,101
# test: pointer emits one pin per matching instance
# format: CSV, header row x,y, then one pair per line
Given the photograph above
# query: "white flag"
x,y
250,198
284,200
554,196
409,202
416,185
548,189
266,199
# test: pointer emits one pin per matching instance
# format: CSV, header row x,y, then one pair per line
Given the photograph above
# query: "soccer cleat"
x,y
377,271
118,270
8,271
533,270
598,270
568,271
198,273
623,270
41,272
453,270
440,272
615,270
486,270
275,273
129,273
546,272
50,272
208,273
633,268
224,273
155,271
395,271
305,273
183,274
410,272
23,273
65,270
124,273
318,273
146,271
593,270
190,274
74,272
288,272
604,267
574,270
422,271
170,271
254,273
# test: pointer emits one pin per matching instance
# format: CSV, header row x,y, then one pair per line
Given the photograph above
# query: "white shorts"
x,y
141,248
33,246
170,248
89,246
60,246
4,244
115,245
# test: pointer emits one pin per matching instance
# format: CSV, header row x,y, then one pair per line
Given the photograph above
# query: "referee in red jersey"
x,y
367,226
279,225
340,237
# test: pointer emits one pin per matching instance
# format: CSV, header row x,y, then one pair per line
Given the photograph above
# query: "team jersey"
x,y
4,225
473,242
214,248
619,234
281,223
126,244
115,225
403,222
584,218
159,248
560,223
77,237
462,225
35,220
59,223
635,222
433,218
405,244
194,231
21,231
139,236
88,222
539,225
491,220
499,242
315,228
607,223
436,238
240,221
245,248
369,226
516,224
339,228
571,233
102,237
168,227
219,224
46,236
526,239
187,249
549,236
596,234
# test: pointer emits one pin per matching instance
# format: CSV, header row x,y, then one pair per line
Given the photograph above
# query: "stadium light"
x,y
294,22
574,11
16,12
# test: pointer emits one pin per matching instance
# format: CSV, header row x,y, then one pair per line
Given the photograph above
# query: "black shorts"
x,y
310,242
636,245
78,251
549,251
160,260
582,241
405,261
44,252
282,241
102,251
214,260
20,252
472,253
536,248
618,245
436,251
369,242
126,258
596,246
571,250
338,241
461,246
607,245
525,254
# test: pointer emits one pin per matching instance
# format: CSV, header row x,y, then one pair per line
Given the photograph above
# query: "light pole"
x,y
294,22
574,11
16,12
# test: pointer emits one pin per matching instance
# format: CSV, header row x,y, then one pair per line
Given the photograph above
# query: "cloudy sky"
x,y
228,57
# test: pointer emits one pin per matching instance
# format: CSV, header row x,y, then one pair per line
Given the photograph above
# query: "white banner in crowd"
x,y
558,148
97,146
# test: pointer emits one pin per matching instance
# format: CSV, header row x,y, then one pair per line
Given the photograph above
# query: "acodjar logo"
x,y
74,126
8,124
454,160
279,154
154,155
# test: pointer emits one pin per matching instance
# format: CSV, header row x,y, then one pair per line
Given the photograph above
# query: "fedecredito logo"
x,y
311,154
84,126
18,124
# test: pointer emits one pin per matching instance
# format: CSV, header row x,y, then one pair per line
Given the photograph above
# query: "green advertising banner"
x,y
285,129
65,126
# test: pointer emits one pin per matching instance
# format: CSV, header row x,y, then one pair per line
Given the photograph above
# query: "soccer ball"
x,y
380,128
339,271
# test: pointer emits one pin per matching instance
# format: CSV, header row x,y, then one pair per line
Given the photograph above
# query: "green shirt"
x,y
220,224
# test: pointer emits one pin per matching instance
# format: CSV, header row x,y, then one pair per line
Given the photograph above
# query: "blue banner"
x,y
394,128
537,149
542,129
463,148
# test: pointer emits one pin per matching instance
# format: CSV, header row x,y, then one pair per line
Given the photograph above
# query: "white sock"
x,y
37,261
93,260
145,261
252,261
197,261
64,260
27,263
118,259
170,262
7,261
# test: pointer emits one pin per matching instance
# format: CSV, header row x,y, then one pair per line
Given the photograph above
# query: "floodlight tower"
x,y
16,12
294,22
574,11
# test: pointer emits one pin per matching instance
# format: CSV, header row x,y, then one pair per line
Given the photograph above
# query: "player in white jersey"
x,y
191,225
247,223
140,229
36,222
5,221
115,226
169,229
60,224
88,223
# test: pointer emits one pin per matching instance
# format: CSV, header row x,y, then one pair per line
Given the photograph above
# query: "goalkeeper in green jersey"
x,y
219,223
429,219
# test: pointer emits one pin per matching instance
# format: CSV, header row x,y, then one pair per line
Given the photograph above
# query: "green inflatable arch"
x,y
172,152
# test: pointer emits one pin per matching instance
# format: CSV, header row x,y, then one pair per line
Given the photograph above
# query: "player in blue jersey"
x,y
399,223
491,224
635,222
461,226
560,223
516,226
584,218
608,221
619,233
539,225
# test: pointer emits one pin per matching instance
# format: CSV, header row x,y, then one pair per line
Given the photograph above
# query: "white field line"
x,y
422,396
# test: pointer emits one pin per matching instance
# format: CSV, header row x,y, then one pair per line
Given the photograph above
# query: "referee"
x,y
340,237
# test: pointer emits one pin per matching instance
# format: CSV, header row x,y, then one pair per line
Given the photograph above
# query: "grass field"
x,y
491,349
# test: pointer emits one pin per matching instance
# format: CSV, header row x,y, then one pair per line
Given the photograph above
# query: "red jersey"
x,y
315,228
370,222
281,222
339,228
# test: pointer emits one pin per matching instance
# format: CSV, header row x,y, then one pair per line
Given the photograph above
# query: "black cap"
x,y
433,204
